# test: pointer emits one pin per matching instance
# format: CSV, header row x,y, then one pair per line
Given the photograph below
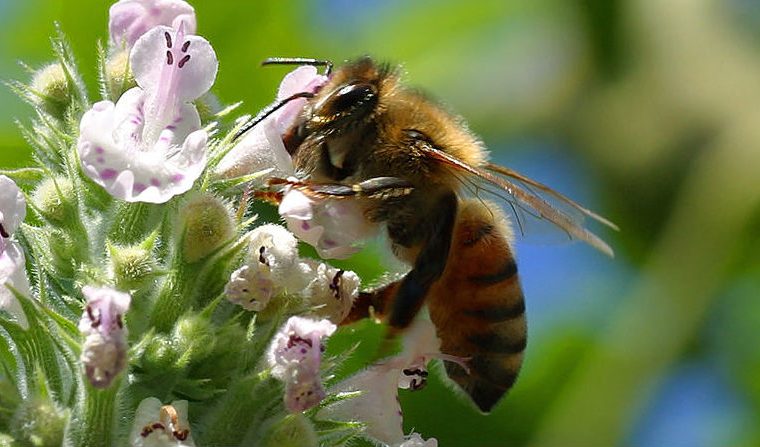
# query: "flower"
x,y
12,262
12,209
13,274
148,147
130,19
295,357
161,425
332,226
272,268
262,147
104,353
332,292
377,405
415,440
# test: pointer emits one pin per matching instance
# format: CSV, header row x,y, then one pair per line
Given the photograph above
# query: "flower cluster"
x,y
274,267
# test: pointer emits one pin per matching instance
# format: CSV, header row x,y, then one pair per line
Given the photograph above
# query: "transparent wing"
x,y
528,198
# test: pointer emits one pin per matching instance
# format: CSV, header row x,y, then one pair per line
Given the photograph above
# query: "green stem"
x,y
133,222
94,420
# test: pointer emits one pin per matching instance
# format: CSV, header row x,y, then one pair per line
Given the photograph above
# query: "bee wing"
x,y
520,194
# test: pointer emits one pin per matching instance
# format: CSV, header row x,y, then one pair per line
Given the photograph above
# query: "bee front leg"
x,y
428,266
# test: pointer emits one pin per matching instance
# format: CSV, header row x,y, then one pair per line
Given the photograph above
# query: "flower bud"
x,y
208,225
118,74
193,337
51,90
66,253
38,422
159,354
55,200
294,430
132,266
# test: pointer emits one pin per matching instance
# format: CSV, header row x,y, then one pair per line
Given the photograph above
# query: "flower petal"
x,y
13,273
168,59
12,206
126,172
261,148
251,287
158,425
377,406
302,79
332,292
334,227
130,19
104,352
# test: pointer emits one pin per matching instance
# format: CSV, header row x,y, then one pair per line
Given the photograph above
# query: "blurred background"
x,y
646,111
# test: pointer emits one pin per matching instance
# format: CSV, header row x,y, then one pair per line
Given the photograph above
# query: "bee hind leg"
x,y
428,266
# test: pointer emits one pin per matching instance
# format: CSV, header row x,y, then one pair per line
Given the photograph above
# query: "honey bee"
x,y
365,135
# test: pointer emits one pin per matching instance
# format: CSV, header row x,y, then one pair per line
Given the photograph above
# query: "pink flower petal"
x,y
171,61
130,19
116,158
302,79
260,149
12,206
13,273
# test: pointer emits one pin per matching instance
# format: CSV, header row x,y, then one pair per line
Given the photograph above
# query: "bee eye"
x,y
351,97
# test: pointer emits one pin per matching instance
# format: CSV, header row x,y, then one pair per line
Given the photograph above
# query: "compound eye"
x,y
352,97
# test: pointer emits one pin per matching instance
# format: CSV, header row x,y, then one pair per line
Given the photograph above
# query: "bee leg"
x,y
374,303
374,188
428,266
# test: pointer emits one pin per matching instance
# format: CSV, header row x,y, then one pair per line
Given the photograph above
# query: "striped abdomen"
x,y
478,307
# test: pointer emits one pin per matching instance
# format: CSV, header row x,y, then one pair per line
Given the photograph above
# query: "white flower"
x,y
332,226
262,147
104,353
13,274
251,286
12,262
158,425
273,267
377,406
295,357
12,209
332,292
149,147
415,440
130,19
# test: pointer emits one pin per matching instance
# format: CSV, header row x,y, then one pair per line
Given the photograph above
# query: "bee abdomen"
x,y
478,306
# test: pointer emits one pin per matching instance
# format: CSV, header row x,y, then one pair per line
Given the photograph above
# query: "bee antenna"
x,y
267,111
300,61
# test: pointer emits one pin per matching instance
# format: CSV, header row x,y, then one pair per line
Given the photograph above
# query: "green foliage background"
x,y
656,101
